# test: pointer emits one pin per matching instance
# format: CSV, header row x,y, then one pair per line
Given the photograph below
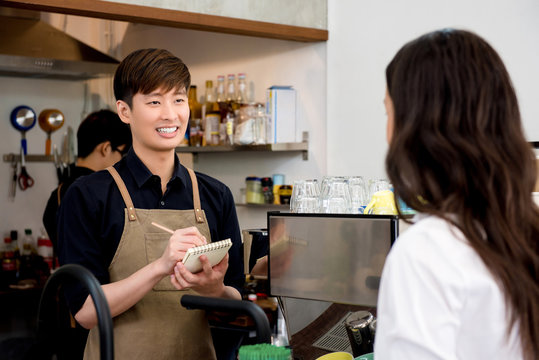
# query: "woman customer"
x,y
461,283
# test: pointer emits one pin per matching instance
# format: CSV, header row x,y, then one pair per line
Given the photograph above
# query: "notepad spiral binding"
x,y
199,250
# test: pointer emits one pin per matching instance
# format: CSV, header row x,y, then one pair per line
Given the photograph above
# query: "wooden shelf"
x,y
171,18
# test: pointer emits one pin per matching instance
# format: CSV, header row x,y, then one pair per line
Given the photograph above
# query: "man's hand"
x,y
178,244
208,282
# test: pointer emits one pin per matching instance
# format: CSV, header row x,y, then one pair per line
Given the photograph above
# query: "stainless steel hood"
x,y
32,48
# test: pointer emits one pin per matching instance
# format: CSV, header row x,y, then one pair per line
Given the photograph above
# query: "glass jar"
x,y
254,190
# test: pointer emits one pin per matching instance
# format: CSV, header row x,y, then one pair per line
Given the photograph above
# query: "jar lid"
x,y
252,178
359,319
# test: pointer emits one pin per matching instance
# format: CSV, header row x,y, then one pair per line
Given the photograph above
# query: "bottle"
x,y
220,90
220,98
195,118
14,235
9,264
229,125
28,242
230,89
44,249
241,96
210,107
231,96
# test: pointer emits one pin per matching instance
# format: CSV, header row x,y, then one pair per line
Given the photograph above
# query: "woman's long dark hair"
x,y
458,152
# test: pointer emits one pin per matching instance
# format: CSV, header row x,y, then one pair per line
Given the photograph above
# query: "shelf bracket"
x,y
305,139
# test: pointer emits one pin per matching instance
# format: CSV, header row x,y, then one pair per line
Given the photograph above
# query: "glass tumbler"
x,y
376,185
335,198
308,202
358,194
305,195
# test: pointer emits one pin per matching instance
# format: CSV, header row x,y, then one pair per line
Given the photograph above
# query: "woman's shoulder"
x,y
432,232
433,243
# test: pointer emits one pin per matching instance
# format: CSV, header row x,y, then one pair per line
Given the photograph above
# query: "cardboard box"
x,y
281,111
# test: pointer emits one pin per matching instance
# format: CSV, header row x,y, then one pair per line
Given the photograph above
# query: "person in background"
x,y
105,224
102,140
462,281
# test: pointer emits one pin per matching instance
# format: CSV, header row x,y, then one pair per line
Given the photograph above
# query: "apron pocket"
x,y
156,243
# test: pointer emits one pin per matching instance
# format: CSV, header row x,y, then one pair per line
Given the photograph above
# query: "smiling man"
x,y
105,224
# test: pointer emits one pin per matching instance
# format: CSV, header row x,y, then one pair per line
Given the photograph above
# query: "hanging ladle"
x,y
23,118
50,120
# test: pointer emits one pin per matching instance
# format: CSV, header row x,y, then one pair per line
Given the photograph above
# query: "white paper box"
x,y
281,111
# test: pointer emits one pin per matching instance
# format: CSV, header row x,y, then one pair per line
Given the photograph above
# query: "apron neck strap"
x,y
132,216
196,197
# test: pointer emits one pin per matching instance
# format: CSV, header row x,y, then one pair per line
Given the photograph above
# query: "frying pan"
x,y
50,120
23,118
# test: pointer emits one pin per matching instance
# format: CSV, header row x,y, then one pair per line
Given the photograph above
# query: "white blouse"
x,y
438,300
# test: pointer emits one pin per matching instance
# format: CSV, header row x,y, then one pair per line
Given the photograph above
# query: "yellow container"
x,y
254,190
340,355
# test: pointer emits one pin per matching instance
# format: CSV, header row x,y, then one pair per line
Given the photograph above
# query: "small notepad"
x,y
215,252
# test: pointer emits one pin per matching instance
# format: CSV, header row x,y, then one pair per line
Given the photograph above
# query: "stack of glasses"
x,y
335,195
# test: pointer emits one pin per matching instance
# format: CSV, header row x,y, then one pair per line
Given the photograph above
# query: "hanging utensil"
x,y
23,118
68,151
13,184
50,120
25,180
58,165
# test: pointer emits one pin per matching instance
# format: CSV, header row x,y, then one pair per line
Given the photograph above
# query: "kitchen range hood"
x,y
32,48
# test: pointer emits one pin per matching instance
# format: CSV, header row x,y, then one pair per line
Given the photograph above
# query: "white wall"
x,y
364,36
308,13
27,209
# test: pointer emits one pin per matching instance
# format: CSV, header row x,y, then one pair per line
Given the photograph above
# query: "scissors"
x,y
25,180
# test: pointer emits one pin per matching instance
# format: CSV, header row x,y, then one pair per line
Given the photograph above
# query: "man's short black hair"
x,y
101,126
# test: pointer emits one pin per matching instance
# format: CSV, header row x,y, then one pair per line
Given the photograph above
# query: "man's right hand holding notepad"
x,y
209,281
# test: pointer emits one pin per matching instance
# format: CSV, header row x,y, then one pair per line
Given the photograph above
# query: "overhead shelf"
x,y
302,147
171,18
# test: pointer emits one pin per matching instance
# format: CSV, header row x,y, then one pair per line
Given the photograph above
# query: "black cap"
x,y
14,235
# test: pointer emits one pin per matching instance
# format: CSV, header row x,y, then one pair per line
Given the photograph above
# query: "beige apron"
x,y
157,327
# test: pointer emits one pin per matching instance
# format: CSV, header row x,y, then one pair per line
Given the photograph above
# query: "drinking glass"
x,y
305,195
376,185
296,190
358,194
335,196
308,197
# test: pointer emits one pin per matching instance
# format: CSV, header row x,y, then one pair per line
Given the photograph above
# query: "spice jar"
x,y
285,192
254,190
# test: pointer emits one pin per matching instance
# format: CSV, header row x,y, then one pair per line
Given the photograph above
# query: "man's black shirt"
x,y
91,215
